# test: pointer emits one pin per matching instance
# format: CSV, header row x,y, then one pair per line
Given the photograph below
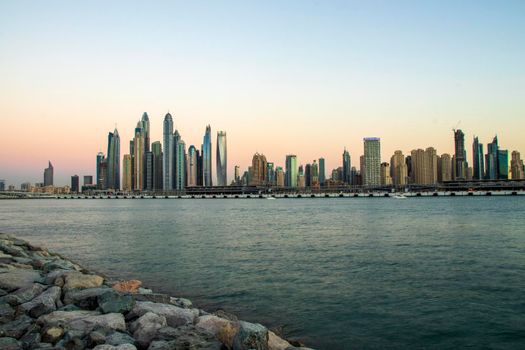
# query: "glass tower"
x,y
221,159
372,161
113,161
291,170
206,158
477,157
346,167
167,156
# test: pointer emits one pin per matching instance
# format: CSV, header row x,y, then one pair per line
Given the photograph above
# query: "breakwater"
x,y
50,302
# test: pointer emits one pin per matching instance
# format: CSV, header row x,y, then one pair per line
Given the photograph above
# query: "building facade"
x,y
221,159
372,161
206,158
291,170
167,155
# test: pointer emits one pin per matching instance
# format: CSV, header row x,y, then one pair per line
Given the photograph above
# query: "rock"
x,y
175,316
5,258
23,295
96,338
153,297
24,261
113,301
13,250
8,343
52,276
85,298
6,311
17,328
251,336
70,307
145,328
222,329
188,337
15,278
58,264
2,292
81,281
276,343
118,347
181,302
62,318
113,321
73,340
226,315
130,286
52,334
118,338
44,303
145,291
30,339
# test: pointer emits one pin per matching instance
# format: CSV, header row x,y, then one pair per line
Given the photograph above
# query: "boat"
x,y
399,196
271,197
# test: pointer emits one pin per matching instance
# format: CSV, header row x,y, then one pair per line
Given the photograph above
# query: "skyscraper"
x,y
156,150
477,160
200,179
386,179
322,172
101,159
149,170
221,159
48,175
146,130
270,173
346,167
237,175
88,180
167,156
372,161
503,164
279,177
444,168
398,169
206,158
460,155
424,166
258,170
127,183
516,166
180,165
191,166
491,160
75,184
314,174
113,161
291,170
139,158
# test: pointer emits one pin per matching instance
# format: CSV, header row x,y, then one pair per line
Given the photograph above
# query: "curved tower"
x,y
145,130
206,158
167,156
221,159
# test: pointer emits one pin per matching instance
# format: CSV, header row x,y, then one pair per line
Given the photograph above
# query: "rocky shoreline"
x,y
50,302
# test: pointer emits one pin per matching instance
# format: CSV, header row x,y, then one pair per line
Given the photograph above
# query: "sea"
x,y
337,273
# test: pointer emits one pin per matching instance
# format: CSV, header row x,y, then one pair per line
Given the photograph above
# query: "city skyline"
x,y
321,78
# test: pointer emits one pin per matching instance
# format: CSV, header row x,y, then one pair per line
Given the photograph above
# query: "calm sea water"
x,y
336,273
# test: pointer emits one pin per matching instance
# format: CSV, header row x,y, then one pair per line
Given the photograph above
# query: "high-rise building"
x,y
460,155
103,173
146,130
167,156
75,184
346,167
372,161
322,172
180,165
127,184
2,185
424,166
192,166
386,179
279,177
301,182
113,161
444,168
237,175
156,150
478,169
100,159
308,175
503,164
149,170
398,169
139,158
270,173
221,159
314,174
200,178
491,160
516,166
48,175
258,170
88,180
206,158
291,171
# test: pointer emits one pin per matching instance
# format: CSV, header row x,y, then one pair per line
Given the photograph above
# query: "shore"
x,y
50,302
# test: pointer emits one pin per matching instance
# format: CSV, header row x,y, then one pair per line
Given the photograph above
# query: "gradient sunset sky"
x,y
280,77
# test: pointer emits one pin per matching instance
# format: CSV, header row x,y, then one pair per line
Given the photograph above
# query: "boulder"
x,y
5,258
188,337
130,286
6,311
85,298
276,343
222,329
31,339
58,264
119,338
145,328
79,280
153,297
8,343
23,295
113,321
181,302
12,279
118,347
17,328
42,304
251,336
52,334
62,318
175,316
112,301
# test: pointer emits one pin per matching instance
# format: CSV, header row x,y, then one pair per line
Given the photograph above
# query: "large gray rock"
x,y
113,321
5,258
118,347
145,328
153,297
58,264
6,311
77,280
31,339
15,278
17,328
8,343
119,338
251,336
175,316
85,298
23,295
276,343
222,329
188,337
113,301
62,318
44,303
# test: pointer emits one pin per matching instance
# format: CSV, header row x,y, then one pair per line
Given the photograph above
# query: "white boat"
x,y
399,196
271,197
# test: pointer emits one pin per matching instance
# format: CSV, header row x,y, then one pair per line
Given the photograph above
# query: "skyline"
x,y
312,78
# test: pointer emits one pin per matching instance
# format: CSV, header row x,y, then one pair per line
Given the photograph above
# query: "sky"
x,y
280,77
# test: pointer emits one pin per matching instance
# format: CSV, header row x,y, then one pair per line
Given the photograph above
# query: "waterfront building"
x,y
460,155
398,169
346,167
2,185
192,166
300,177
322,171
180,165
149,169
146,130
139,157
88,180
291,170
167,156
336,175
132,155
25,186
236,175
355,176
199,168
113,161
491,160
503,164
75,184
478,169
245,180
424,166
372,161
386,179
100,159
444,168
48,175
221,159
156,150
308,175
516,166
314,174
279,177
206,158
258,170
408,162
103,171
127,184
270,173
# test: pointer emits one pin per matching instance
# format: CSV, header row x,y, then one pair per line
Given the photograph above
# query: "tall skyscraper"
x,y
516,166
301,181
270,173
291,170
113,161
258,170
88,180
279,177
146,130
322,172
491,160
139,158
149,170
180,165
346,167
398,169
167,156
156,150
445,168
48,175
237,175
460,155
75,184
200,178
503,164
192,166
424,166
221,159
372,161
478,169
127,183
386,179
206,158
314,174
101,162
